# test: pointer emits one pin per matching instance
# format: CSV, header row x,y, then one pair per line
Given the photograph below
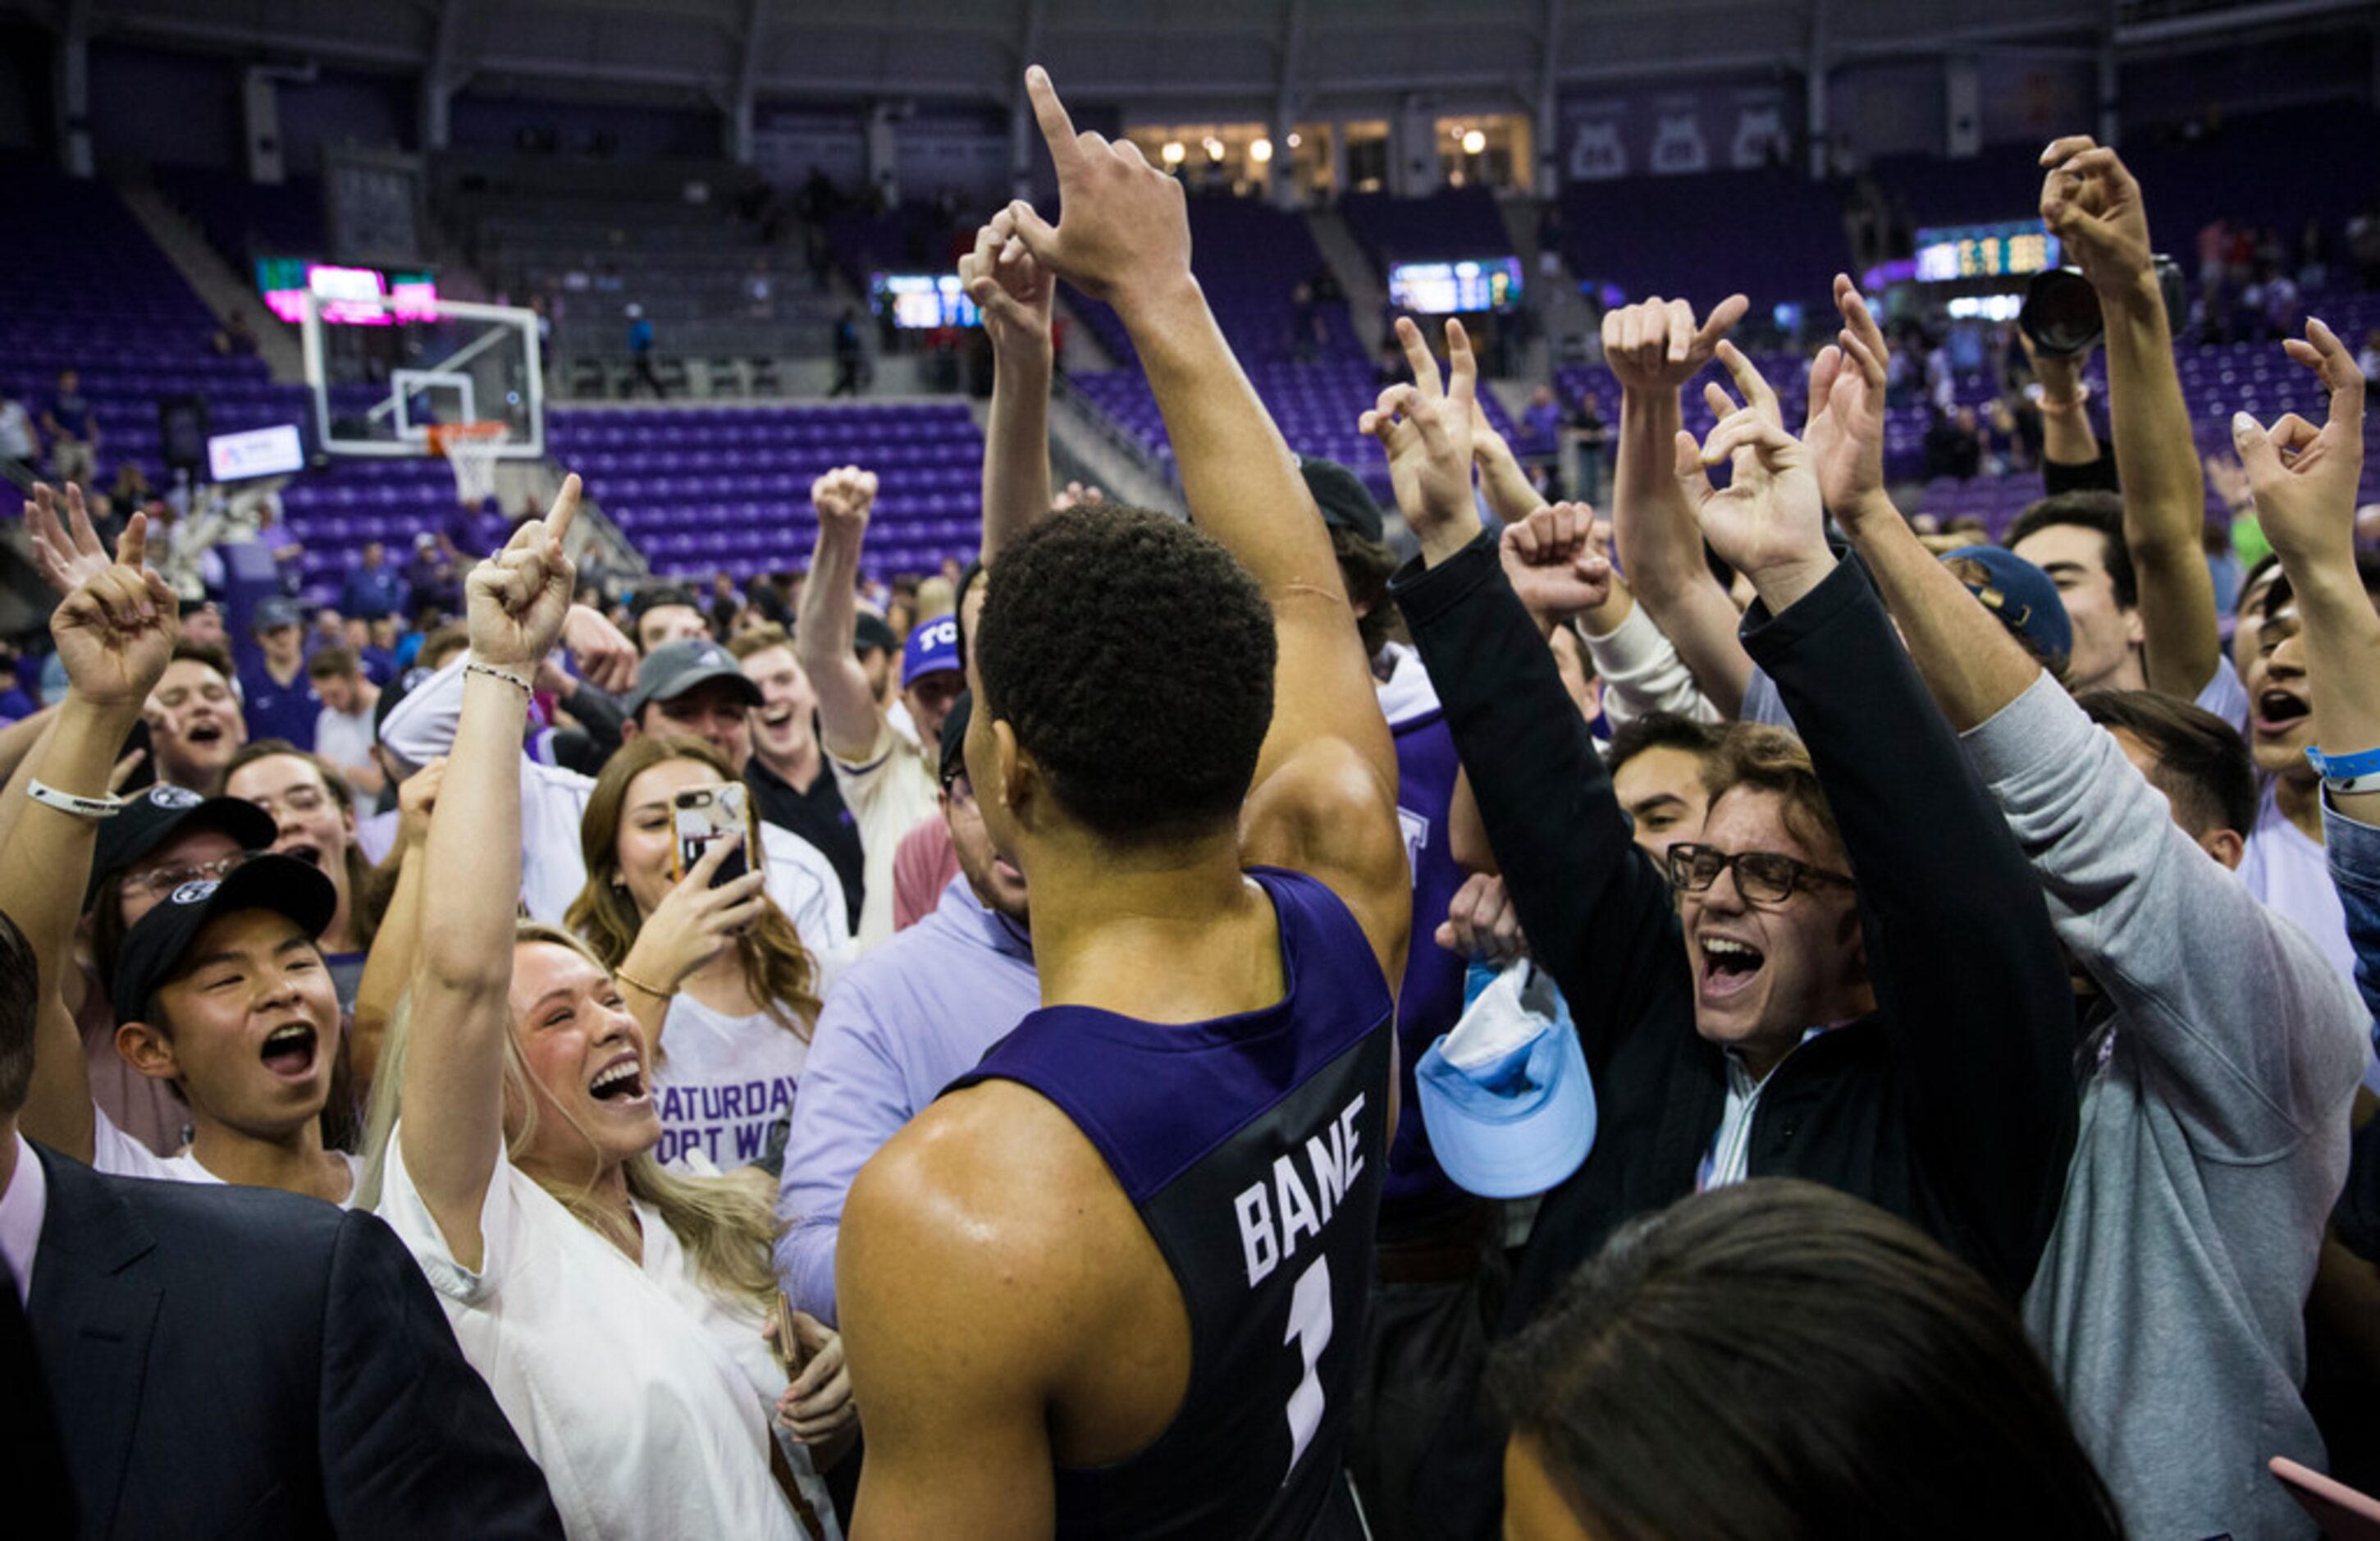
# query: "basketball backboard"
x,y
383,368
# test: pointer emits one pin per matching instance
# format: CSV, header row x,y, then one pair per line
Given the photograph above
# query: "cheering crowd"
x,y
1713,1018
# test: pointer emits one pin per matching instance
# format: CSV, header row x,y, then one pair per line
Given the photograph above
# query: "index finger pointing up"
x,y
1050,113
1419,359
559,518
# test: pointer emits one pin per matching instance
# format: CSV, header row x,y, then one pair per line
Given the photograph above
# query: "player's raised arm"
x,y
1324,799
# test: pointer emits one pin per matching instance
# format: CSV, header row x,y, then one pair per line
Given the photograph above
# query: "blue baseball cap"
x,y
2023,596
933,646
1505,1097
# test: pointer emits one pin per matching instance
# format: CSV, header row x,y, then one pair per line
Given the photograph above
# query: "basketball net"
x,y
472,451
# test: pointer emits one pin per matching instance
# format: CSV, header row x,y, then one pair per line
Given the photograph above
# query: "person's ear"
x,y
2227,846
630,727
1017,778
2136,634
147,1050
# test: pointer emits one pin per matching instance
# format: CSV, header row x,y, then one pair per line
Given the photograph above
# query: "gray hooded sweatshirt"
x,y
2213,1143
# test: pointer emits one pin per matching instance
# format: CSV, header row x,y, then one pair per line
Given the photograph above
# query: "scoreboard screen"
x,y
2014,249
923,301
1455,288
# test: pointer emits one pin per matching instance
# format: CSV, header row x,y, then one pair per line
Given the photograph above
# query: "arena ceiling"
x,y
1271,57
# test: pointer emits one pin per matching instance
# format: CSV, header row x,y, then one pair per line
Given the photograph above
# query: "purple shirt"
x,y
905,1021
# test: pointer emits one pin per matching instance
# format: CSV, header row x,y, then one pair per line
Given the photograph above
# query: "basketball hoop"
x,y
472,450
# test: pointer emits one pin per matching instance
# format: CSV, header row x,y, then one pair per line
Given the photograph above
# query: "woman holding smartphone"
x,y
708,962
618,1308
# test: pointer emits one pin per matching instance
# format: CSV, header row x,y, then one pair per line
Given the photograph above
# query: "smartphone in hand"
x,y
702,813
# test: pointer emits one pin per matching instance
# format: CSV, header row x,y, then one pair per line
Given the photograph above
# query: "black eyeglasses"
x,y
1762,876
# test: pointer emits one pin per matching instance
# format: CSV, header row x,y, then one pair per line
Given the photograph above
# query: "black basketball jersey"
x,y
1254,1148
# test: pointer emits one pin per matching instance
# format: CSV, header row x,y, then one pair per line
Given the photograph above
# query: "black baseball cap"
x,y
155,815
674,668
658,596
873,632
1344,502
152,950
954,729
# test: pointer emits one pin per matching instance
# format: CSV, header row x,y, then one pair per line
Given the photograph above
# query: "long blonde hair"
x,y
778,970
727,1223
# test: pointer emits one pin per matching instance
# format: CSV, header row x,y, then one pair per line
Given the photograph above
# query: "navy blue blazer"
x,y
238,1361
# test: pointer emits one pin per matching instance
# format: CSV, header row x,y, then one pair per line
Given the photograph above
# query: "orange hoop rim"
x,y
483,432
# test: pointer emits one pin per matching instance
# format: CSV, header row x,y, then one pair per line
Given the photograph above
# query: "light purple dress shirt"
x,y
902,1023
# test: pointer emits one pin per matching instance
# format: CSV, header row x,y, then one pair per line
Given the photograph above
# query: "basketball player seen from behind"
x,y
1113,1282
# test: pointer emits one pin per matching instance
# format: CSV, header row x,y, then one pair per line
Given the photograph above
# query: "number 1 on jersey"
x,y
1310,1328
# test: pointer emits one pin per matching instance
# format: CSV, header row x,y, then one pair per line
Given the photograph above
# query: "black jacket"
x,y
227,1361
1952,1105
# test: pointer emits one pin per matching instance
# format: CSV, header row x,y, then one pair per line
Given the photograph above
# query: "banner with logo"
x,y
1680,132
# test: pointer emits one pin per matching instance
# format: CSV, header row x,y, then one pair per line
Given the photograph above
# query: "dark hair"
x,y
969,577
2278,597
207,654
20,1010
331,663
1773,759
1780,1360
1133,660
2093,509
1365,566
1660,730
2204,767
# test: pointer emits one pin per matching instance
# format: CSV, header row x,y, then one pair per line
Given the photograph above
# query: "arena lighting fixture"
x,y
1473,141
1214,148
1295,138
1261,151
1173,152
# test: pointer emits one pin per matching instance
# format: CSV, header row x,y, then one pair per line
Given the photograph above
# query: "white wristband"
x,y
74,803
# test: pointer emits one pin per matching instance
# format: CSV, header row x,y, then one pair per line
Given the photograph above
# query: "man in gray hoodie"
x,y
2219,1050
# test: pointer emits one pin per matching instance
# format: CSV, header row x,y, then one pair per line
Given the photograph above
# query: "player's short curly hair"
x,y
1132,658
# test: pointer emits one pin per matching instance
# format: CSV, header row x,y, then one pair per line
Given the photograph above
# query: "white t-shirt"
x,y
119,1155
889,794
2288,872
345,737
724,1082
613,1374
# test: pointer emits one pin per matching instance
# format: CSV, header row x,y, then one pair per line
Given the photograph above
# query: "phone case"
x,y
703,814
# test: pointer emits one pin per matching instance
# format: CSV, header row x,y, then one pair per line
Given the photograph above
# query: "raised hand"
x,y
1124,229
1425,429
1013,290
2304,479
68,554
517,599
1552,561
1481,923
1845,430
1655,344
2093,205
417,800
607,659
1076,495
115,629
1770,522
843,498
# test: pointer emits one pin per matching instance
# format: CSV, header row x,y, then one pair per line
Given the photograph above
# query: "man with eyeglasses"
x,y
902,1024
1858,984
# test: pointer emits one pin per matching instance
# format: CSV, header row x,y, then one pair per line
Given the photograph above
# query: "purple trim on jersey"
x,y
1430,1000
1153,1121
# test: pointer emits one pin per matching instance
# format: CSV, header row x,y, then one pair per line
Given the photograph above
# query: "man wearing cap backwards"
x,y
666,613
692,687
219,988
279,700
888,782
2220,1050
1856,983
